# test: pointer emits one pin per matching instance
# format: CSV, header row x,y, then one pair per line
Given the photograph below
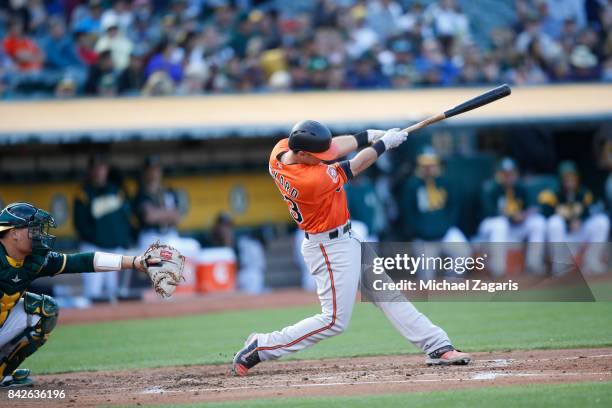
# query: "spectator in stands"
x,y
574,222
7,70
116,42
59,47
102,222
102,77
157,209
383,16
87,17
527,72
24,52
84,44
66,88
120,14
533,33
430,211
584,64
366,74
131,80
434,67
563,10
4,87
507,219
551,26
362,37
144,30
36,17
159,84
606,73
241,34
165,61
447,20
325,44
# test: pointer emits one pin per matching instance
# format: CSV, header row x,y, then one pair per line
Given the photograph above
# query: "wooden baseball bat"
x,y
480,100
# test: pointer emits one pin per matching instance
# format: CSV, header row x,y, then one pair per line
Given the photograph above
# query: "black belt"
x,y
334,234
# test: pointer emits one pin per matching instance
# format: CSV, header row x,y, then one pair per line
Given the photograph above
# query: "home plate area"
x,y
327,377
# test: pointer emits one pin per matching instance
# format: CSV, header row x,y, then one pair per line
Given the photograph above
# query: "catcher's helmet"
x,y
313,137
24,215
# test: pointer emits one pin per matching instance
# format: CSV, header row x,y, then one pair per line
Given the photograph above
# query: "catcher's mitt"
x,y
168,272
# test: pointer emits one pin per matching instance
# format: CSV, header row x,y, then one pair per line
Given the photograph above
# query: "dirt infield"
x,y
331,377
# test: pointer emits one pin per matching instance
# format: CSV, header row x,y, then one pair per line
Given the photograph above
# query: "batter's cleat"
x,y
247,357
19,378
447,355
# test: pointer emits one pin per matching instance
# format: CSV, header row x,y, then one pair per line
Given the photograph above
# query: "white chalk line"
x,y
475,377
496,363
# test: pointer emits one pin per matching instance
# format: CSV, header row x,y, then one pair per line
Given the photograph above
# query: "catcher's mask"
x,y
37,221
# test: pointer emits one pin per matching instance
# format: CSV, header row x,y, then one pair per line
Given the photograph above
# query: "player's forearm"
x,y
100,262
79,263
363,160
345,144
350,143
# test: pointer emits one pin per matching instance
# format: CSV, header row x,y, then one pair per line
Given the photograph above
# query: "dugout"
x,y
215,148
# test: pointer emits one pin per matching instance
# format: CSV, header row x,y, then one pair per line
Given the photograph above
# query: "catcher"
x,y
26,318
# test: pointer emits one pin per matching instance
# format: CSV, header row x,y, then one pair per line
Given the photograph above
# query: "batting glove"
x,y
393,138
374,135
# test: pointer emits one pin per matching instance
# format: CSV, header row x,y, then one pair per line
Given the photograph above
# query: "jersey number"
x,y
294,210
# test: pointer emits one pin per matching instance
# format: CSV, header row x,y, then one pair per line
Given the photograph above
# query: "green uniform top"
x,y
429,208
497,200
165,199
102,216
364,204
16,277
569,206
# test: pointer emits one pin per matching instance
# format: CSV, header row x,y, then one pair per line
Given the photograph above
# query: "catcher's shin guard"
x,y
33,337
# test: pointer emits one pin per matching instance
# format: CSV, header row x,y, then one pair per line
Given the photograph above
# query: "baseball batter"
x,y
314,192
26,318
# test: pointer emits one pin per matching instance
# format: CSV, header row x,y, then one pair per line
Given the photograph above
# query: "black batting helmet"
x,y
313,137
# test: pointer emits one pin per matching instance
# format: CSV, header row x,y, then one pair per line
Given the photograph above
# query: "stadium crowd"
x,y
158,47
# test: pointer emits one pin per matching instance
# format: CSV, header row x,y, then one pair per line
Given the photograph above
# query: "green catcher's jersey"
x,y
16,276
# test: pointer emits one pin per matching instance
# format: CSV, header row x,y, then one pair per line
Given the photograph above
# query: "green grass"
x,y
213,338
557,396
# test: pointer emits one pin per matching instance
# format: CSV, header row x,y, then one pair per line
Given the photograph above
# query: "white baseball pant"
x,y
15,323
499,231
336,265
565,245
453,244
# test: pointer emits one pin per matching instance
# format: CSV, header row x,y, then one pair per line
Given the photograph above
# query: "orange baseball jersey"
x,y
314,193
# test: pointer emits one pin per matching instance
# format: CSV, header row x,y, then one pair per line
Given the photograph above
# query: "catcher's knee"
x,y
44,306
33,337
